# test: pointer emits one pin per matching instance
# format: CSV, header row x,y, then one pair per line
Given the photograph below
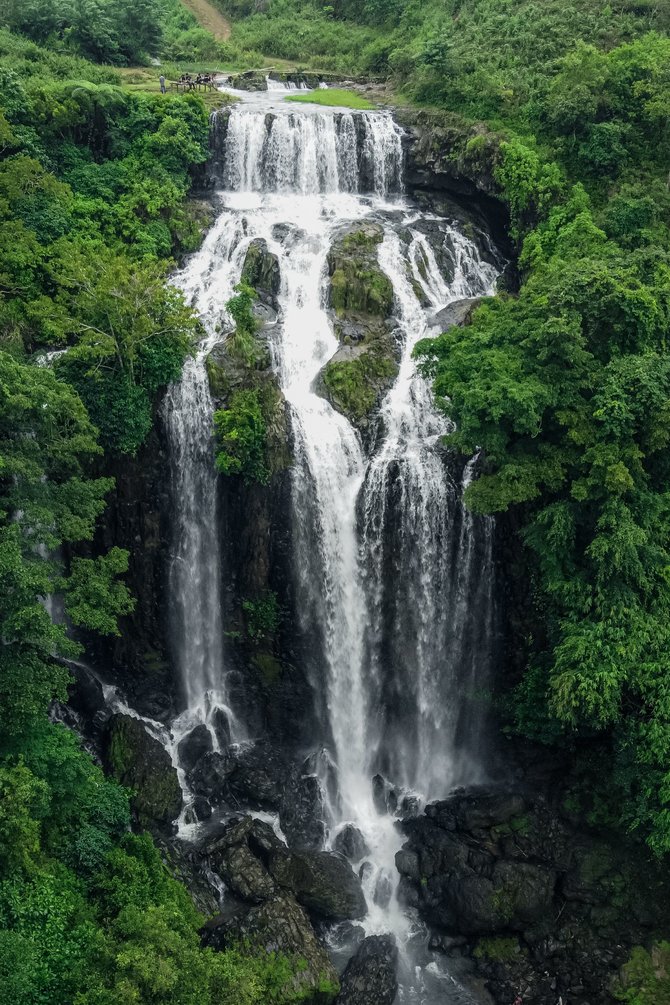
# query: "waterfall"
x,y
194,580
417,559
393,577
311,152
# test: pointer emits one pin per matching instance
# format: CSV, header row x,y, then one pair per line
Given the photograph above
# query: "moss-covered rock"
x,y
141,763
361,297
228,375
355,379
261,271
356,281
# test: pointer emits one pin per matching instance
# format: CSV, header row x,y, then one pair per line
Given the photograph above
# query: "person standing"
x,y
161,81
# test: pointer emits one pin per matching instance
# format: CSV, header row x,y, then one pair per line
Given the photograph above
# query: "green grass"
x,y
334,96
144,80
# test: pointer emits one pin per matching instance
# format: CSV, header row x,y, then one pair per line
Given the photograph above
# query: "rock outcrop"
x,y
255,864
323,882
361,297
140,762
536,902
280,925
370,975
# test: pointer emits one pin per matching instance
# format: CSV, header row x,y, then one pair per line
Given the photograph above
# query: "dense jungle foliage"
x,y
93,180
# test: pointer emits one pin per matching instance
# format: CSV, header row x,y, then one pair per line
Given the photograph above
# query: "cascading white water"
x,y
285,85
312,152
293,180
195,566
411,510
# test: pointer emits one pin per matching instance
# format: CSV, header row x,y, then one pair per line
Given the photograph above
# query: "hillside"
x,y
249,557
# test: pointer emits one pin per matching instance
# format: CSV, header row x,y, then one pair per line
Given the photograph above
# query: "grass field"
x,y
333,96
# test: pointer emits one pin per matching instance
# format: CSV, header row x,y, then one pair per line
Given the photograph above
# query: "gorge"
x,y
334,628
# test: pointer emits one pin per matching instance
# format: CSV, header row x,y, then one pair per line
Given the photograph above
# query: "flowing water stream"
x,y
393,575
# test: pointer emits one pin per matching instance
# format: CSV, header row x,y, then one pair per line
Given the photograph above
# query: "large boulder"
x,y
239,853
350,842
194,746
209,777
280,925
140,762
323,882
259,775
357,283
455,314
242,873
471,811
518,895
370,975
301,813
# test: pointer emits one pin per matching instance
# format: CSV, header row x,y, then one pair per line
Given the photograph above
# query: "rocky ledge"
x,y
276,894
541,905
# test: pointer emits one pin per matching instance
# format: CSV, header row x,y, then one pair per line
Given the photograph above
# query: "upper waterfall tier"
x,y
320,152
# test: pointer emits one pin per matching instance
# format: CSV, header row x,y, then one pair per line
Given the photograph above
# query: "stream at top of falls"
x,y
392,575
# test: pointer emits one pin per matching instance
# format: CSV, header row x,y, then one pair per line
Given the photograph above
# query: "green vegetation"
x,y
241,433
261,616
353,385
497,950
94,179
645,979
120,32
333,96
565,388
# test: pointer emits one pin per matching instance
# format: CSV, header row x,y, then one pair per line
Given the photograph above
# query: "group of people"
x,y
187,81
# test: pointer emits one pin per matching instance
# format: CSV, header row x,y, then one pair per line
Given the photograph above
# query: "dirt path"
x,y
210,18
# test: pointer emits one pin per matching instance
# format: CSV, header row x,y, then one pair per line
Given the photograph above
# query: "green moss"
x,y
136,765
497,950
334,96
366,238
269,666
219,382
645,978
261,615
503,902
521,825
351,383
364,288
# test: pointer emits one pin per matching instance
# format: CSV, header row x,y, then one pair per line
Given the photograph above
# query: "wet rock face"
x,y
194,746
351,843
141,763
507,880
323,882
261,271
280,925
370,975
443,156
301,813
255,865
262,776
